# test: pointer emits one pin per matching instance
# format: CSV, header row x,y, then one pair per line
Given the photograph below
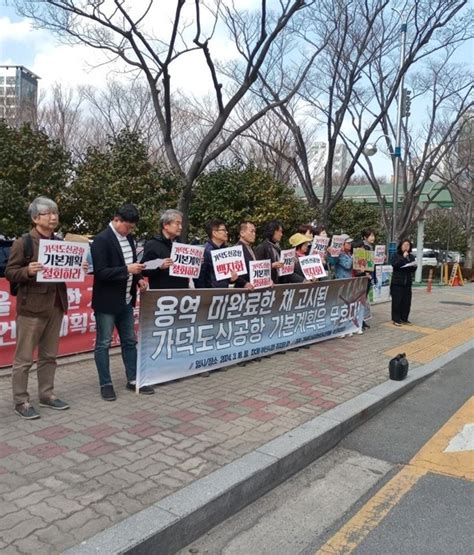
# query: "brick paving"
x,y
71,474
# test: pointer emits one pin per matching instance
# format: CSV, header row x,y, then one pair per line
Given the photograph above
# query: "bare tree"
x,y
446,91
123,31
61,116
357,76
457,174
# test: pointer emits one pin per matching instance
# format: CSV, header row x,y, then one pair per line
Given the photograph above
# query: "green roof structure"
x,y
361,193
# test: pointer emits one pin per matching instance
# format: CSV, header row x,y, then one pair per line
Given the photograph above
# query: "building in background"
x,y
340,164
18,95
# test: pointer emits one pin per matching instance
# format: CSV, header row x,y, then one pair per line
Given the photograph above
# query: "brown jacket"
x,y
34,299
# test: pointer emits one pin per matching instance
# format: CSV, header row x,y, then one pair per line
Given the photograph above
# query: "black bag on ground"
x,y
398,367
28,254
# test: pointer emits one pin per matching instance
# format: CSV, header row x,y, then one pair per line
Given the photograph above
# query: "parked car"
x,y
430,257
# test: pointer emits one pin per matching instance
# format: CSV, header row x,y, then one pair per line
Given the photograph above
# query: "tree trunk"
x,y
184,204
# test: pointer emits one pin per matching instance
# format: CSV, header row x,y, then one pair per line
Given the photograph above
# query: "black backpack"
x,y
28,254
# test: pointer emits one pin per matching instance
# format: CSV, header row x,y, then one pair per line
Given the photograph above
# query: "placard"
x,y
337,242
379,254
62,260
363,260
260,273
312,267
287,256
187,260
228,260
319,245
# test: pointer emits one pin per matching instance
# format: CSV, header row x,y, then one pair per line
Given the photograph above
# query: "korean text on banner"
x,y
228,260
260,273
379,254
312,267
288,258
186,332
337,243
187,260
62,260
319,245
363,260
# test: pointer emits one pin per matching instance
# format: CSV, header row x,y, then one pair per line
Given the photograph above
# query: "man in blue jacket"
x,y
117,275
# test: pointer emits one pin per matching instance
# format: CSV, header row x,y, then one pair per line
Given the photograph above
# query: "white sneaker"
x,y
359,332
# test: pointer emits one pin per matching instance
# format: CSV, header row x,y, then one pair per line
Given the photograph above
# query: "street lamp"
x,y
403,109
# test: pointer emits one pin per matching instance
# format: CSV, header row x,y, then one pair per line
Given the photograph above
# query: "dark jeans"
x,y
124,323
401,302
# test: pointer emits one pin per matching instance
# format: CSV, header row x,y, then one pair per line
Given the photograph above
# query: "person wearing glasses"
x,y
40,309
217,239
117,276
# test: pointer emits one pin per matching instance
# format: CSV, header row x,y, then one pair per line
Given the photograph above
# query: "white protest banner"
x,y
312,266
288,258
187,260
379,254
228,260
62,260
260,273
319,245
337,243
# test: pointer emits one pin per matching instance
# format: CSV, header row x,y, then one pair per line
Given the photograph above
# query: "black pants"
x,y
401,302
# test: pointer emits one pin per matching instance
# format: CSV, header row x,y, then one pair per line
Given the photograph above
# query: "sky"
x,y
42,53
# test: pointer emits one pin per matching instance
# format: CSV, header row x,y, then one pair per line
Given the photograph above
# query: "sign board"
x,y
363,260
287,256
228,260
187,260
62,260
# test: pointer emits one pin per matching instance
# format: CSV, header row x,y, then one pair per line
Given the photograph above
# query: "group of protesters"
x,y
118,276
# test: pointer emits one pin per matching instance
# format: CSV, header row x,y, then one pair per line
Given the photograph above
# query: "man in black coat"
x,y
247,233
217,239
116,278
171,224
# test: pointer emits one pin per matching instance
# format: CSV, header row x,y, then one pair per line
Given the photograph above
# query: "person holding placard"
x,y
301,244
270,249
342,264
117,276
404,267
170,227
366,242
247,233
217,239
40,309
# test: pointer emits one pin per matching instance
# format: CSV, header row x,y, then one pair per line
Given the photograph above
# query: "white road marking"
x,y
463,441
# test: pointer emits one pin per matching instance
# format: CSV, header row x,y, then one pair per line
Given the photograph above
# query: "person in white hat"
x,y
342,264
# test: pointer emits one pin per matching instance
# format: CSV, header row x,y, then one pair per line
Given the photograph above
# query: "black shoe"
x,y
54,403
108,392
365,326
407,323
398,324
144,390
26,411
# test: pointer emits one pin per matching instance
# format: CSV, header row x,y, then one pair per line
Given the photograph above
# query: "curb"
x,y
179,519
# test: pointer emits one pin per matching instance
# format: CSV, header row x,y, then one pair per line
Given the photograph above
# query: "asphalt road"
x,y
376,493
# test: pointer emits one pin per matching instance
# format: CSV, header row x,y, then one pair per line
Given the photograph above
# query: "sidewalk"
x,y
70,475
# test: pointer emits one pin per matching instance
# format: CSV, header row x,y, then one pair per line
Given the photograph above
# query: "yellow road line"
x,y
430,458
372,513
436,343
